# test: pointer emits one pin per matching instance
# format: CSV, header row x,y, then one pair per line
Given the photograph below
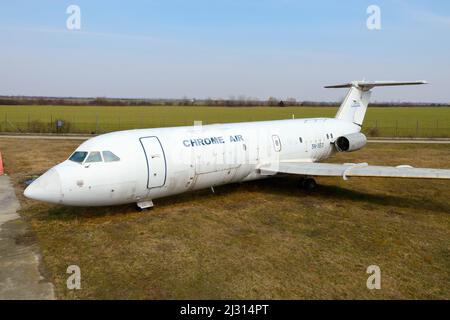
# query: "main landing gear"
x,y
308,184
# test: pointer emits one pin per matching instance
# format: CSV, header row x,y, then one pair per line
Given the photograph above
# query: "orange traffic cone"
x,y
1,164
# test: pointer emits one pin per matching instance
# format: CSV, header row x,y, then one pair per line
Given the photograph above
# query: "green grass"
x,y
405,122
256,240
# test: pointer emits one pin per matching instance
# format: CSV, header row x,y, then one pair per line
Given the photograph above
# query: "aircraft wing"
x,y
347,170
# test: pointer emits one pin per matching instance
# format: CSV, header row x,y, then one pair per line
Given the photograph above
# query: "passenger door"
x,y
156,162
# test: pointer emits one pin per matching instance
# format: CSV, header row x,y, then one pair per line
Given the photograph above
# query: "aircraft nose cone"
x,y
46,188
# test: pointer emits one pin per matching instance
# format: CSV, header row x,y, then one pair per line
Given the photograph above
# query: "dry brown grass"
x,y
265,239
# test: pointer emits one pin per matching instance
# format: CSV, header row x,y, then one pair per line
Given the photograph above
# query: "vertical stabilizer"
x,y
354,106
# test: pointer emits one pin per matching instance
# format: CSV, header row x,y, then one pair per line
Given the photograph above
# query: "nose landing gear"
x,y
145,204
308,184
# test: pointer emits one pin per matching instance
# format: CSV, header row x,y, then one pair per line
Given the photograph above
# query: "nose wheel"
x,y
308,184
145,204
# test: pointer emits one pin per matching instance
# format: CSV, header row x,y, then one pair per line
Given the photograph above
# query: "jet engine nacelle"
x,y
350,142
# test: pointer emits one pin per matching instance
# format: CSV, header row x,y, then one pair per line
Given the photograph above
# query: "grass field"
x,y
387,122
265,239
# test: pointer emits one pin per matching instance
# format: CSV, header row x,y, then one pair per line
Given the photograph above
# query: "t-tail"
x,y
354,106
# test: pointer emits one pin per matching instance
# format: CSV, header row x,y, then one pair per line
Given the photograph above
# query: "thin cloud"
x,y
83,33
432,18
424,15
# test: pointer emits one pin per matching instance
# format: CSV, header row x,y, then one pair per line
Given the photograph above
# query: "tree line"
x,y
231,102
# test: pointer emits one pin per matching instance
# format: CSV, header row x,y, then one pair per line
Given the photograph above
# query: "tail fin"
x,y
354,106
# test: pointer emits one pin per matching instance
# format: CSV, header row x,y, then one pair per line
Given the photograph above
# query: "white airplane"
x,y
138,166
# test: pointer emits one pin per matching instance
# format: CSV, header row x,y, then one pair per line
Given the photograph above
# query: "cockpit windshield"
x,y
94,156
78,156
108,156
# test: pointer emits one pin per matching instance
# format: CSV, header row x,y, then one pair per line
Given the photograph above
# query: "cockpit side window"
x,y
108,156
78,156
94,156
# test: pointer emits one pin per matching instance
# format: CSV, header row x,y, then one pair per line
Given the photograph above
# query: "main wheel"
x,y
309,184
301,183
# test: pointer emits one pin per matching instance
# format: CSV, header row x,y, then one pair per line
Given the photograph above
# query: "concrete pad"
x,y
20,269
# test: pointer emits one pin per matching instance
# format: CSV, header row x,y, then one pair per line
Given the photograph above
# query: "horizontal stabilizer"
x,y
367,85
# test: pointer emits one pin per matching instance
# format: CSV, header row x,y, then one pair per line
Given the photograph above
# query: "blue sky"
x,y
223,48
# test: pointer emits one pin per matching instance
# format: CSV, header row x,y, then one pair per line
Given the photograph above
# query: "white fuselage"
x,y
155,163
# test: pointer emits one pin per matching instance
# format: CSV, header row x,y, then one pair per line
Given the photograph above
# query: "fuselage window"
x,y
276,143
328,136
331,136
300,139
108,156
94,156
78,156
